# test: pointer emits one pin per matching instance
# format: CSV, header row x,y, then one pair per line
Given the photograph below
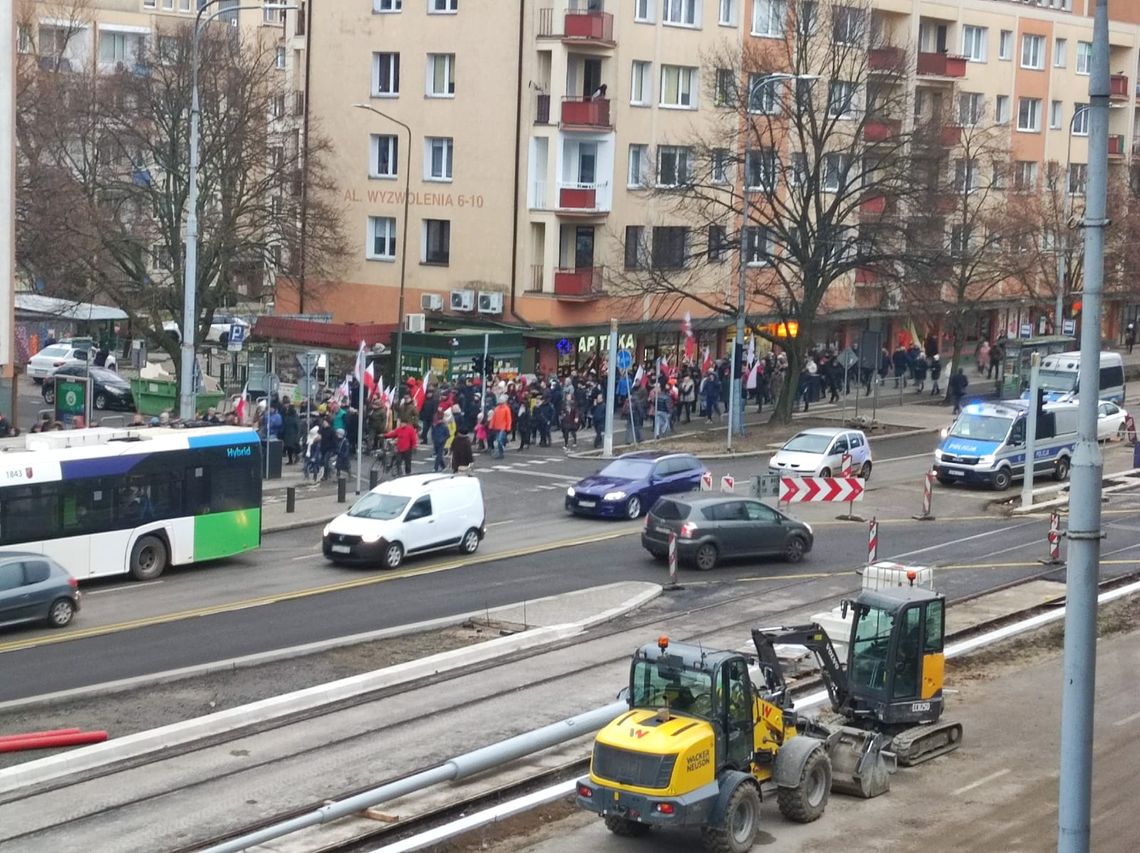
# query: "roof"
x,y
652,454
409,486
313,333
37,305
826,431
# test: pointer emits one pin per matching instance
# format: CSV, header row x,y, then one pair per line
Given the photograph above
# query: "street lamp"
x,y
190,272
404,240
735,395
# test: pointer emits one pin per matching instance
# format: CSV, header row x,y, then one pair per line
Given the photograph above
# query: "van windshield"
x,y
981,427
1062,381
379,507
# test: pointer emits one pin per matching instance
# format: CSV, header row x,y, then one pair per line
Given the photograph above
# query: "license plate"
x,y
955,473
587,503
341,549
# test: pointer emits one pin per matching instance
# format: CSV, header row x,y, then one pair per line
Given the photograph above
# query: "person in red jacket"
x,y
406,442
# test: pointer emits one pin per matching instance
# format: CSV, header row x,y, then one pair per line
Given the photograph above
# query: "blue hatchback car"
x,y
633,482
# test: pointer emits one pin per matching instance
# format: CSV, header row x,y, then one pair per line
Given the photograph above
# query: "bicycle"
x,y
385,460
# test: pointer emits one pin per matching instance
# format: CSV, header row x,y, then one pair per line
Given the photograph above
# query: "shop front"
x,y
451,356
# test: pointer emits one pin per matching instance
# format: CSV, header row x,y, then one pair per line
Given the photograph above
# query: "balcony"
x,y
873,206
941,65
1116,146
588,27
589,113
886,60
950,135
578,285
865,277
583,200
881,129
1118,87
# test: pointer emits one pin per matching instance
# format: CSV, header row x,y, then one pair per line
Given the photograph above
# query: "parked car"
x,y
109,390
711,529
631,483
819,453
409,515
219,331
1109,420
35,588
49,359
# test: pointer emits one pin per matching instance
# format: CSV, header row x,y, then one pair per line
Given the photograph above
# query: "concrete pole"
x,y
1079,678
611,391
1031,432
8,194
741,285
190,273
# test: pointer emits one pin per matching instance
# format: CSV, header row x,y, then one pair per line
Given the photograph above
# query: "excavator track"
x,y
922,743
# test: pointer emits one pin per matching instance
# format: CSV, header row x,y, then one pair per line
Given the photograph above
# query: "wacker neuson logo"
x,y
237,452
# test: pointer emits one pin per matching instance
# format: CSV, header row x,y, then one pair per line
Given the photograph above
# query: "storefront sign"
x,y
589,343
789,329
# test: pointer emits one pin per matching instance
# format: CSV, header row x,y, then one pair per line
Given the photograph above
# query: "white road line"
x,y
1126,720
130,587
549,488
1120,550
979,782
564,477
499,523
959,541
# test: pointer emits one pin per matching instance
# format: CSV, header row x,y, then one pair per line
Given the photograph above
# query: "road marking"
x,y
978,783
131,587
565,477
1130,718
801,576
1120,550
959,541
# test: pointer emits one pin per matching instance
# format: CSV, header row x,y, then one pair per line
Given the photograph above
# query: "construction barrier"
x,y
706,481
672,559
820,489
845,465
1128,430
49,741
1054,541
728,484
872,542
927,498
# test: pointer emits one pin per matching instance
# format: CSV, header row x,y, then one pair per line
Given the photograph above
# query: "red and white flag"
x,y
420,389
363,374
639,378
690,341
242,404
706,361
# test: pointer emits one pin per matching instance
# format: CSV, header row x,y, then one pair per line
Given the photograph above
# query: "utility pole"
x,y
8,198
1079,675
611,391
1031,432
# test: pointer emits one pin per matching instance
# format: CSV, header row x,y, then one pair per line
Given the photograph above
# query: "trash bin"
x,y
271,459
155,396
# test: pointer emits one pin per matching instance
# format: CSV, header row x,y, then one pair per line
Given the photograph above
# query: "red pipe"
x,y
38,734
49,741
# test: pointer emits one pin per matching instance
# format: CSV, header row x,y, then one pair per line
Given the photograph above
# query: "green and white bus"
x,y
112,501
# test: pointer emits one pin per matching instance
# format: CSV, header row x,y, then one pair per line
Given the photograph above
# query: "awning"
x,y
36,306
312,333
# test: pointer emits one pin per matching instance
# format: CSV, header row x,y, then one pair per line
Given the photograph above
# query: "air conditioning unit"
x,y
415,323
431,302
491,303
463,300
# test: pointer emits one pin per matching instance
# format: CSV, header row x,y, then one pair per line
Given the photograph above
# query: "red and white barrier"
x,y
1129,430
728,484
672,559
845,466
1054,541
820,489
872,542
927,498
706,481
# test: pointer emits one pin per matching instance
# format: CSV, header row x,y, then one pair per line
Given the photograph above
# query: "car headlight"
x,y
938,454
614,496
809,529
325,532
370,538
986,461
570,492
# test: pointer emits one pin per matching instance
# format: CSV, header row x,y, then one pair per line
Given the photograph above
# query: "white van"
x,y
1058,376
409,515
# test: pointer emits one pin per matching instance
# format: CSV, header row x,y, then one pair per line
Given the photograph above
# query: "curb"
x,y
1057,503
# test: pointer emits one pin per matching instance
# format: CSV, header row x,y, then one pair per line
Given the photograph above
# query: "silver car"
x,y
819,453
35,588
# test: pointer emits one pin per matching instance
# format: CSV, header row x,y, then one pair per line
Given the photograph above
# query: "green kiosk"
x,y
451,356
1018,355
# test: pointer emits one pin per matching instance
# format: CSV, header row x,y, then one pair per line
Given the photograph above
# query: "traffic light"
x,y
1045,428
738,359
489,366
477,364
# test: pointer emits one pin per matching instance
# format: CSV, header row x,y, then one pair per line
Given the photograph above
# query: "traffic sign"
x,y
728,483
237,337
1069,327
820,489
624,359
706,481
848,358
1026,331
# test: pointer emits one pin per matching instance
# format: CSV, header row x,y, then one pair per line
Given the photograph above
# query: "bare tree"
x,y
112,144
799,175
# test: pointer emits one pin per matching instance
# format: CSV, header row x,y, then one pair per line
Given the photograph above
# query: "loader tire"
x,y
625,827
738,827
807,800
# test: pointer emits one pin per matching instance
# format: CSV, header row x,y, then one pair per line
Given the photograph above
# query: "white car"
x,y
1109,420
819,453
219,331
48,360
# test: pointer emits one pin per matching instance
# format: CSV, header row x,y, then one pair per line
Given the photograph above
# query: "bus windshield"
x,y
379,507
1062,381
655,684
981,427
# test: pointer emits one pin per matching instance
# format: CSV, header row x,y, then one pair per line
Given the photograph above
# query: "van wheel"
x,y
1002,479
148,558
1061,470
469,544
393,555
62,609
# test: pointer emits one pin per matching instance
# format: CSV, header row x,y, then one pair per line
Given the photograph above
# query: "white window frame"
x,y
726,13
1056,115
851,20
641,83
971,108
387,7
424,243
280,59
965,175
769,18
1060,52
851,103
757,239
686,87
722,93
644,11
682,165
1033,52
1080,119
1025,176
765,162
834,164
433,59
393,61
1033,112
446,147
1005,45
797,168
721,161
377,142
443,7
119,47
1001,109
681,13
1084,57
1080,186
974,43
183,5
637,169
765,96
371,234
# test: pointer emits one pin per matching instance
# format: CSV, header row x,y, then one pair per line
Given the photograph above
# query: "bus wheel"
x,y
148,558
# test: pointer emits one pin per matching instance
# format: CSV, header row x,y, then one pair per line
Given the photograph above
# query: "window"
x,y
1084,57
756,248
678,86
970,107
113,47
672,165
385,74
764,94
167,49
835,171
974,43
959,241
638,175
1033,52
847,25
1001,170
29,513
183,5
24,43
1005,44
420,509
643,11
635,247
718,242
768,17
1055,111
1029,114
440,7
841,99
1025,176
669,246
760,169
726,13
1001,109
680,12
965,175
381,238
149,497
807,18
1060,52
149,4
1080,119
441,75
725,81
437,241
1078,175
720,163
797,173
438,151
277,106
385,156
641,89
385,6
279,59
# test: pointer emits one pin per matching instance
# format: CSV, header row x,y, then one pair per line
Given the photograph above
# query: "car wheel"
x,y
49,394
148,558
866,473
100,401
633,507
1061,470
825,472
61,612
469,544
1002,479
706,557
393,555
795,549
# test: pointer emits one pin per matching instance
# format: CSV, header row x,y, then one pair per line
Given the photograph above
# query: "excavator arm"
x,y
814,638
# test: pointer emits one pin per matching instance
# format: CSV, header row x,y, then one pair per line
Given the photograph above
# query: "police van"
x,y
1058,376
986,444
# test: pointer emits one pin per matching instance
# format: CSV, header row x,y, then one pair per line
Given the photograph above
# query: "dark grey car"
x,y
35,588
710,529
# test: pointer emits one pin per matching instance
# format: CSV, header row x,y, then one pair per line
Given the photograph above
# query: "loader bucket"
x,y
860,764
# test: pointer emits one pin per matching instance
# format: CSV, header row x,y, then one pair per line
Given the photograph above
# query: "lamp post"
x,y
404,240
735,395
190,272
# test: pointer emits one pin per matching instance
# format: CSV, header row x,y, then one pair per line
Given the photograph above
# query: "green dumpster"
x,y
155,396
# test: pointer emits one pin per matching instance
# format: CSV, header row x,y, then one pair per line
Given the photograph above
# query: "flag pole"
x,y
359,415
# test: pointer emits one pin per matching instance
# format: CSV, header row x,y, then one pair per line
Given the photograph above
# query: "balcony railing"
x,y
545,23
542,110
586,112
941,65
873,206
1116,145
950,135
886,60
881,129
578,197
1118,86
579,284
589,26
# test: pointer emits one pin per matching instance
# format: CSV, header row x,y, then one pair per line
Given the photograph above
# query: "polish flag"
x,y
420,389
690,341
639,378
342,390
242,403
706,361
364,374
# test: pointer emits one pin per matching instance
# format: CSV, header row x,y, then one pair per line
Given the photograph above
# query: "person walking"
x,y
898,362
935,374
920,367
958,383
598,419
997,353
406,442
462,455
343,455
1130,337
710,395
328,448
500,426
427,414
982,356
660,403
439,437
313,454
688,392
291,433
569,424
